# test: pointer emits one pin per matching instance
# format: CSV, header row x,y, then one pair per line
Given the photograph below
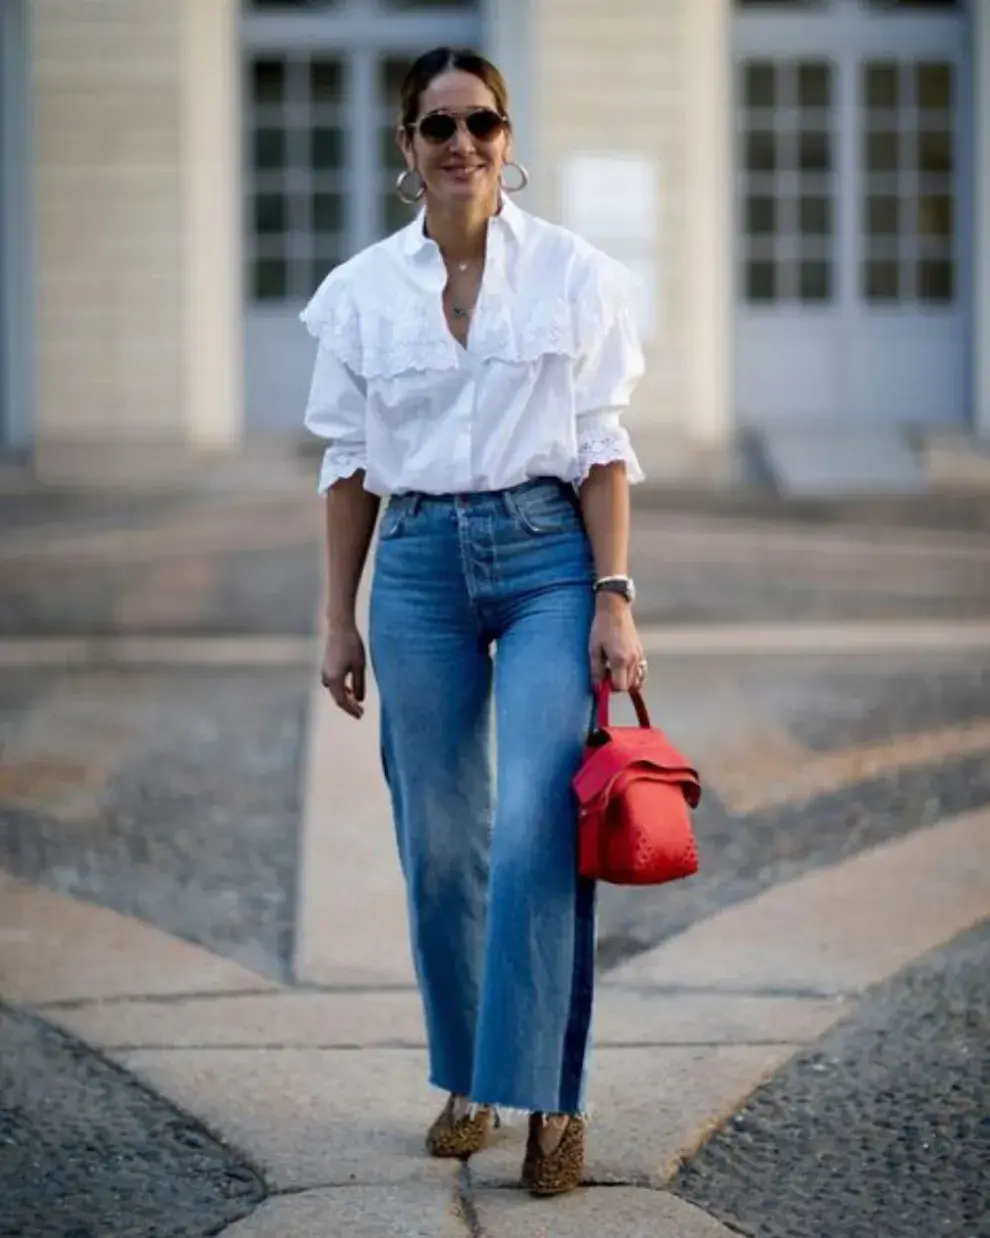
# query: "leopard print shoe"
x,y
557,1171
452,1136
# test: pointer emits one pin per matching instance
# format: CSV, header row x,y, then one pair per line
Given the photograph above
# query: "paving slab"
x,y
300,1019
349,866
308,1117
842,928
620,1212
58,949
406,1211
626,1016
650,1108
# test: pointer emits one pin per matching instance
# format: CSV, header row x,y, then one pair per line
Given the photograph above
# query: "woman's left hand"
x,y
615,646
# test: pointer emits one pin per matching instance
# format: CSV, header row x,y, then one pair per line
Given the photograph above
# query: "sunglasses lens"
x,y
437,127
484,125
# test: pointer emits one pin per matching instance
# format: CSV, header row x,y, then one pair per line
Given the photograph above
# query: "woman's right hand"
x,y
343,670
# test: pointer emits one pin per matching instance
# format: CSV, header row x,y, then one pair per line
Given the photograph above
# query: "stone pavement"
x,y
210,1022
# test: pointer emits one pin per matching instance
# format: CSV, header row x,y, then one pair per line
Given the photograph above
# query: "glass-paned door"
x,y
852,182
321,95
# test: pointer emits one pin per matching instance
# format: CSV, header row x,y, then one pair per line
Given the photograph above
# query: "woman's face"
x,y
464,167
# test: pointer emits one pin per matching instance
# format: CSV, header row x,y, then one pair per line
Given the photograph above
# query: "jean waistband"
x,y
552,487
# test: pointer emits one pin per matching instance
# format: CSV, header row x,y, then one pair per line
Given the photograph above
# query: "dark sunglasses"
x,y
485,125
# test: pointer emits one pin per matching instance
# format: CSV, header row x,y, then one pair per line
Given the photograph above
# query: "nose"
x,y
461,141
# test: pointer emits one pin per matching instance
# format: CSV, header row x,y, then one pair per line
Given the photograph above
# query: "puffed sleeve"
x,y
335,410
607,373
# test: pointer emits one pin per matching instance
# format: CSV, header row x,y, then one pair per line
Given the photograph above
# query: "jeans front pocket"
x,y
544,509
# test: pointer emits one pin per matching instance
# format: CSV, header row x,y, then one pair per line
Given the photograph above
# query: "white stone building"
x,y
803,185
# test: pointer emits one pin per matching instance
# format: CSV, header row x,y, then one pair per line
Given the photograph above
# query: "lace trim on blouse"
x,y
607,445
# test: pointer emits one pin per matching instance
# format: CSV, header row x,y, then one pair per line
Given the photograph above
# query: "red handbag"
x,y
635,792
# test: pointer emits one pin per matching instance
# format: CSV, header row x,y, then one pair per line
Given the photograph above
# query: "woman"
x,y
472,367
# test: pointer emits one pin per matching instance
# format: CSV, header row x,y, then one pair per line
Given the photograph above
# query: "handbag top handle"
x,y
602,696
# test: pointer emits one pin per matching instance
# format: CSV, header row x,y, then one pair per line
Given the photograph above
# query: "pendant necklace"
x,y
460,311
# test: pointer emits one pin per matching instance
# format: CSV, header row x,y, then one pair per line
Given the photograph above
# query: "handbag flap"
x,y
634,746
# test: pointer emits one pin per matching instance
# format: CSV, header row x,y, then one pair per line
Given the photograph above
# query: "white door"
x,y
321,87
853,189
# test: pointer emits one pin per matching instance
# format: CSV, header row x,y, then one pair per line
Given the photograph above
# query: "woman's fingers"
x,y
599,664
346,690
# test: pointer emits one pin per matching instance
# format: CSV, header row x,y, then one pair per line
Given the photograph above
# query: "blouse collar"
x,y
509,220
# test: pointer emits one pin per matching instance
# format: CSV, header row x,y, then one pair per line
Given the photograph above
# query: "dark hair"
x,y
442,60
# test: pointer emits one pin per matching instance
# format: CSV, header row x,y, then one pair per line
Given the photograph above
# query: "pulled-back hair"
x,y
443,60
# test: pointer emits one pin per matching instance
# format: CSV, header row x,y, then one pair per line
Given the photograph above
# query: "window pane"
x,y
935,280
270,214
935,152
882,86
815,215
267,81
882,152
813,281
813,85
936,215
761,215
911,4
402,5
814,152
883,281
934,85
761,152
326,148
271,279
326,81
328,212
761,281
269,149
883,215
759,89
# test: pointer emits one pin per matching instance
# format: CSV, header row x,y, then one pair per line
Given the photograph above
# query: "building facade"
x,y
801,186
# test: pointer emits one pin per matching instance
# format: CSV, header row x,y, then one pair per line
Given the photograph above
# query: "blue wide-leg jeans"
x,y
479,598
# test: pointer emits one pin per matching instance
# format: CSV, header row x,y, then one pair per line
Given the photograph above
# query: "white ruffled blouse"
x,y
551,361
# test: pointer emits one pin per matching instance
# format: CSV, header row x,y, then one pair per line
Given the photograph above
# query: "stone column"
x,y
212,292
708,188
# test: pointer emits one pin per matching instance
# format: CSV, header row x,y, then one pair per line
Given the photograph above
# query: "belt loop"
x,y
417,499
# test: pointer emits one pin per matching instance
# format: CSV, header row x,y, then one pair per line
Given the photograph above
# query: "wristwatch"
x,y
622,585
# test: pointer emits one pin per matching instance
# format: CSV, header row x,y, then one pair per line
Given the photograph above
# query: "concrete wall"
x,y
651,77
134,136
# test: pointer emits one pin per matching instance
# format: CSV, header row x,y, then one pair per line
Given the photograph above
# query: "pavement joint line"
x,y
464,1205
845,637
152,651
395,1046
153,999
174,999
703,639
716,990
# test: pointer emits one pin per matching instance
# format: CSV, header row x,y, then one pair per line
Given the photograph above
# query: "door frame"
x,y
846,259
362,32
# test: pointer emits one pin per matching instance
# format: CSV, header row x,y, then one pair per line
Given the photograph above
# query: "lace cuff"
x,y
340,461
606,445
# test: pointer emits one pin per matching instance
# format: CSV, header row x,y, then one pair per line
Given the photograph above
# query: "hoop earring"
x,y
400,188
523,178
